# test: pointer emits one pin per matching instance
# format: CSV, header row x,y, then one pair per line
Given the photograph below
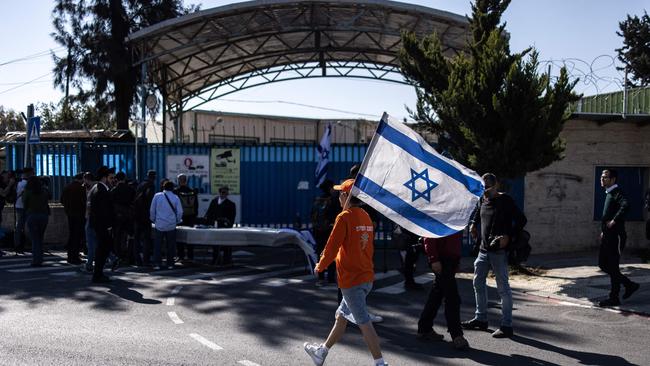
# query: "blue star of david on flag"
x,y
411,184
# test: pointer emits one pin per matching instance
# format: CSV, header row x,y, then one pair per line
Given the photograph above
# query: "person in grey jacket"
x,y
165,212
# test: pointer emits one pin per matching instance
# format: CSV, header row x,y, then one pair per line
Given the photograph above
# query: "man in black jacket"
x,y
101,220
500,219
612,238
221,213
123,196
190,201
73,199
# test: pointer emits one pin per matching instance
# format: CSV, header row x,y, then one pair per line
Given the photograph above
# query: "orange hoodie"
x,y
351,244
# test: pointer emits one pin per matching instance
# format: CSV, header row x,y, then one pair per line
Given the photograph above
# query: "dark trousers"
x,y
36,225
104,245
225,253
444,287
76,233
143,242
180,248
410,259
609,257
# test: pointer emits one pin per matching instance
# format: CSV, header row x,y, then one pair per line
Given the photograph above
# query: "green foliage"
x,y
99,63
490,108
75,116
635,53
10,120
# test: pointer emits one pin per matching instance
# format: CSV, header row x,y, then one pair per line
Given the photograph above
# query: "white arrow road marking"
x,y
174,317
206,342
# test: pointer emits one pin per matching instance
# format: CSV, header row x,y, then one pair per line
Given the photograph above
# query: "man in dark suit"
x,y
101,220
73,199
221,213
612,238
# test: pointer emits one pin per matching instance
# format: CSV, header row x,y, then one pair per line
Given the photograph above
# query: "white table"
x,y
245,236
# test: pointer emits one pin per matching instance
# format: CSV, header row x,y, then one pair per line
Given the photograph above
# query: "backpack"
x,y
142,203
519,249
189,203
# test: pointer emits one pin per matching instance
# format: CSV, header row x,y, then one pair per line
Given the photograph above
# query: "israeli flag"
x,y
406,180
323,156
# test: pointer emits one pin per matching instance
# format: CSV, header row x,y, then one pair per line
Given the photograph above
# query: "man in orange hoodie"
x,y
351,245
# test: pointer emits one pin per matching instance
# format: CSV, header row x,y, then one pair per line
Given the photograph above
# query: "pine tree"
x,y
491,109
635,53
99,62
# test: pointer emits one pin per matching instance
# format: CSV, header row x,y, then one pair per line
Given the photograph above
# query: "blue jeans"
x,y
353,306
36,224
170,241
91,243
499,263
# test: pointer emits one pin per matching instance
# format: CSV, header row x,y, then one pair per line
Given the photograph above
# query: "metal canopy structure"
x,y
208,54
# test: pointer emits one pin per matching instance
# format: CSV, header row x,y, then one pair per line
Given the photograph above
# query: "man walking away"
x,y
165,212
500,219
123,196
143,197
324,210
443,255
73,199
351,245
101,220
612,238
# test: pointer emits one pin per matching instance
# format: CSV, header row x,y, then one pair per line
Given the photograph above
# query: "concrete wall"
x,y
559,199
57,226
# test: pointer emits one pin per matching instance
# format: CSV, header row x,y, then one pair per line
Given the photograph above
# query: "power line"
x,y
25,83
32,56
300,105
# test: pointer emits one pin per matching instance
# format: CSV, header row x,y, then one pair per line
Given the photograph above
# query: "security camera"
x,y
219,120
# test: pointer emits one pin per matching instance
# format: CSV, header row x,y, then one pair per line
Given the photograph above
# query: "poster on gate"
x,y
225,168
191,165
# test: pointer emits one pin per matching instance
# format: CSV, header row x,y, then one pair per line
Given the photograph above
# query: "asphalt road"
x,y
260,312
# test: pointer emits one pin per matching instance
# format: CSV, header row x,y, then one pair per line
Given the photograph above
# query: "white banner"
x,y
190,165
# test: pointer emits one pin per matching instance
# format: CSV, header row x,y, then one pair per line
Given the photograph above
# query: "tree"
x,y
10,120
635,53
72,116
490,108
99,62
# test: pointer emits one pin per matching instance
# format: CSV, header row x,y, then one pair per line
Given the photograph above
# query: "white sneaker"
x,y
316,351
376,318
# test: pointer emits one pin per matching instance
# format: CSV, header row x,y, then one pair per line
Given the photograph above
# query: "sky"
x,y
580,34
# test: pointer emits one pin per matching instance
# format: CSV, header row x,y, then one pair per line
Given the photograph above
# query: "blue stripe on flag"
x,y
401,207
415,149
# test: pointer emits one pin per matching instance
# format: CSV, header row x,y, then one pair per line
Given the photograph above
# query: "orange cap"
x,y
345,186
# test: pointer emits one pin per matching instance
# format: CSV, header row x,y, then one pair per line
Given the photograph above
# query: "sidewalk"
x,y
576,278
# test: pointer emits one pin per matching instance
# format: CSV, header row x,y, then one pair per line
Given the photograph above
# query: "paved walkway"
x,y
575,278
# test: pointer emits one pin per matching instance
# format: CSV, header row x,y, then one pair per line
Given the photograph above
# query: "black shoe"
x,y
413,286
474,324
430,336
630,290
609,302
503,332
101,279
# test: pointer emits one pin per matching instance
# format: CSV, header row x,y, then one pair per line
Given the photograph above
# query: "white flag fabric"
x,y
323,156
406,180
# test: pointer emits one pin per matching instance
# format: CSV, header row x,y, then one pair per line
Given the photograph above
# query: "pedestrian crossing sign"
x,y
34,130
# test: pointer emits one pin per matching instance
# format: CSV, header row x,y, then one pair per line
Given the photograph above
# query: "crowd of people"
x,y
346,239
111,219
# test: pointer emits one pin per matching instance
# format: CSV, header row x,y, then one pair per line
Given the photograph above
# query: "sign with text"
x,y
224,169
191,165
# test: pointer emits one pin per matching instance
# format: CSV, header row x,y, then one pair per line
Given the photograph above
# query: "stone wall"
x,y
57,225
559,200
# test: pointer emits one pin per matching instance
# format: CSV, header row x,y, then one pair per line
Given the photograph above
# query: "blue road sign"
x,y
34,130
